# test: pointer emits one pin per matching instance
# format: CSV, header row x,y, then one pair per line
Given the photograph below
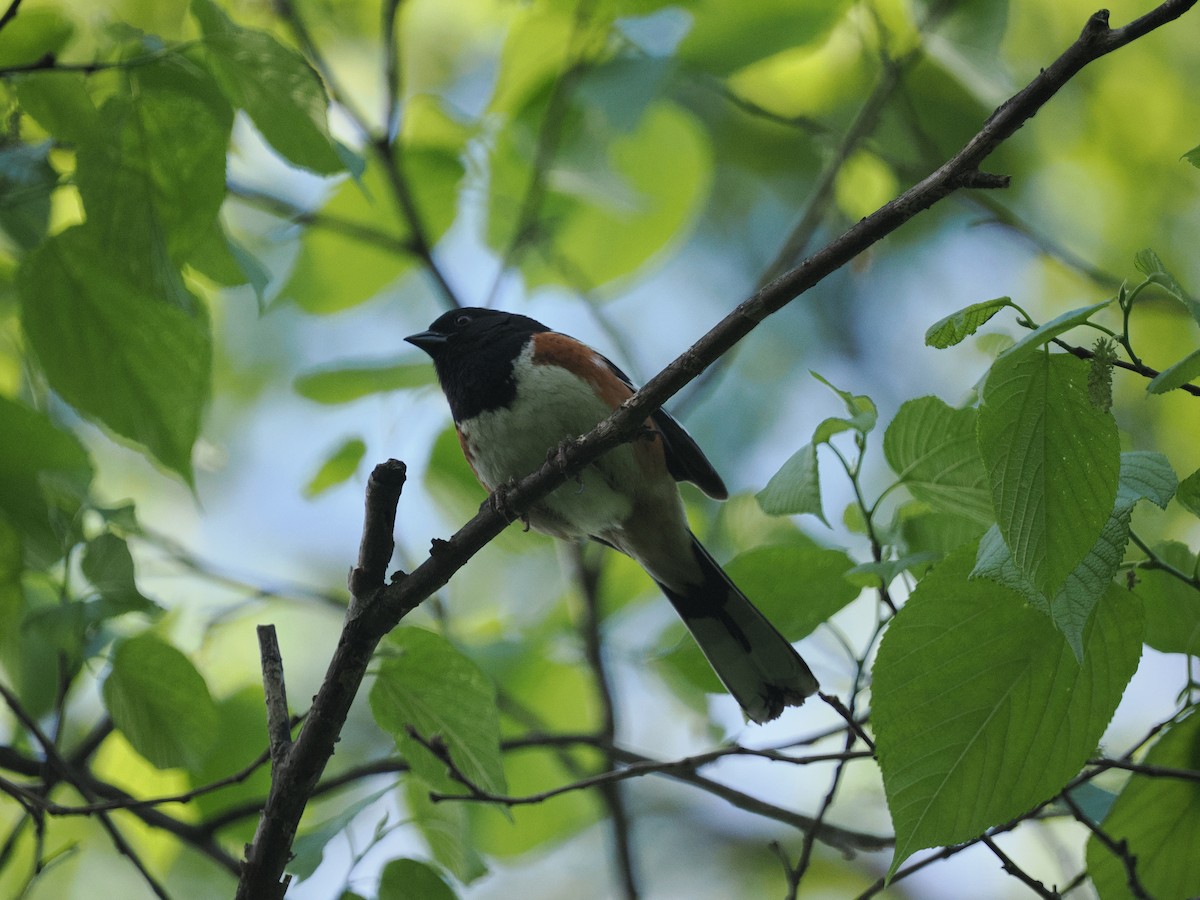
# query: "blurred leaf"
x,y
432,688
160,703
60,103
365,245
219,257
1158,820
115,350
344,384
446,829
881,574
960,325
1043,334
154,173
727,36
33,449
969,685
796,588
1187,369
108,565
1151,265
932,449
408,879
26,182
1193,156
33,35
796,488
926,530
1052,460
1188,493
1172,606
309,847
241,725
274,84
339,466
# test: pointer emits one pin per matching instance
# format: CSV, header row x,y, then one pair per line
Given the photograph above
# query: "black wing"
x,y
685,460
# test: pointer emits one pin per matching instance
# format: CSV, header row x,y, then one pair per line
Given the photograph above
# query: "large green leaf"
x,y
160,703
1158,820
432,688
1052,460
153,174
1172,604
36,455
340,465
108,565
115,350
933,450
970,684
274,84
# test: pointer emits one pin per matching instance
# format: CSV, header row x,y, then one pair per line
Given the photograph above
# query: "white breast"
x,y
551,406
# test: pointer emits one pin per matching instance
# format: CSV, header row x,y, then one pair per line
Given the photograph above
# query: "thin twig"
x,y
1017,872
279,725
1119,849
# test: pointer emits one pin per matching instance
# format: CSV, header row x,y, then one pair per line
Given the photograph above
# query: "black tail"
x,y
762,671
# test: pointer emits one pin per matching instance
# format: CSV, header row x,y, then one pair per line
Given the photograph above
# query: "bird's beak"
x,y
429,341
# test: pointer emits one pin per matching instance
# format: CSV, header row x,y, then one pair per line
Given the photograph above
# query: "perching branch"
x,y
369,618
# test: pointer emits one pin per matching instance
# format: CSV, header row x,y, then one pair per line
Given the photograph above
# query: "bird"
x,y
518,390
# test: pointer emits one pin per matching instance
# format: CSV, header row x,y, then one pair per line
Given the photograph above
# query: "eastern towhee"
x,y
517,390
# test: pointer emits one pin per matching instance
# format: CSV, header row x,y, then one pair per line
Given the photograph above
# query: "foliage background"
x,y
667,196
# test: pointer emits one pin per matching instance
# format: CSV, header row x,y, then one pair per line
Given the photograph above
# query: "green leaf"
x,y
933,450
113,349
727,36
160,703
863,413
1188,493
958,326
970,684
153,175
1193,156
409,879
446,829
1043,334
1158,819
797,588
344,384
108,565
339,466
1151,265
26,182
274,84
34,454
1145,476
1187,369
60,102
926,530
33,35
432,688
343,265
1072,605
1172,606
795,488
602,214
1052,460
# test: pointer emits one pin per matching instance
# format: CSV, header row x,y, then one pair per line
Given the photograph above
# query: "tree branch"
x,y
370,618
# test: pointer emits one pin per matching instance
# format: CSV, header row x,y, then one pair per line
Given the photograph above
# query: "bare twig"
x,y
1119,849
1017,872
279,725
384,487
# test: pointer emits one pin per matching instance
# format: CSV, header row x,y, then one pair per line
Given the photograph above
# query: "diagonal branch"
x,y
369,618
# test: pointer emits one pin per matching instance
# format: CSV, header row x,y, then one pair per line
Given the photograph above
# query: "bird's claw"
x,y
498,501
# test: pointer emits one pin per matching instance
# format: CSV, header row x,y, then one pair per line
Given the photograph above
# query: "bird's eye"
x,y
461,321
